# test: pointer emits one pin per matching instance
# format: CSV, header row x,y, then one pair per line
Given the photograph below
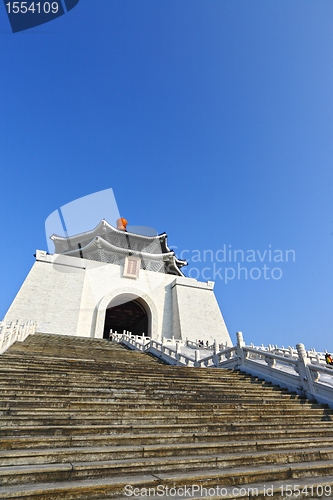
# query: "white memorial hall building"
x,y
108,279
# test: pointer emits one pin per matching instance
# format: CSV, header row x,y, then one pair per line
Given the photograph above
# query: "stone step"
x,y
90,356
63,418
90,378
115,401
101,386
92,385
228,415
77,429
71,453
159,397
318,488
133,389
82,418
23,474
153,397
79,368
102,488
37,363
163,372
64,386
95,373
21,442
50,369
116,406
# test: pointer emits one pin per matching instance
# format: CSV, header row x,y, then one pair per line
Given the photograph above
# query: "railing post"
x,y
196,359
303,370
215,356
177,353
240,340
239,350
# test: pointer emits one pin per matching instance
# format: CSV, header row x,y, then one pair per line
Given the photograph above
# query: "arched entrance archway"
x,y
128,315
125,294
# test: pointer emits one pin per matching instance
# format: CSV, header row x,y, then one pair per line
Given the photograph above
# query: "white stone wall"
x,y
196,310
50,295
69,295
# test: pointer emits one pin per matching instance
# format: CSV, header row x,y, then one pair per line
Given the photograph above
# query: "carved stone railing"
x,y
15,331
173,341
295,369
170,351
298,370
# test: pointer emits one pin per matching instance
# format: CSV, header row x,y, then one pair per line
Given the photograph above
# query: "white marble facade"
x,y
69,295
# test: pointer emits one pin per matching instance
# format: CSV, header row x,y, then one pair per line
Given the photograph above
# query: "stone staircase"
x,y
89,419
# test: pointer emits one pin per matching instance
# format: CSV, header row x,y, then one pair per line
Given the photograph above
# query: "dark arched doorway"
x,y
130,316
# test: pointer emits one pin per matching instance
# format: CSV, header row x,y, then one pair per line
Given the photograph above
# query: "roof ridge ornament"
x,y
121,224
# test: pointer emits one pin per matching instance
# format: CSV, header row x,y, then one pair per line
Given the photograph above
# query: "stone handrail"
x,y
187,343
171,354
298,370
295,369
291,351
15,331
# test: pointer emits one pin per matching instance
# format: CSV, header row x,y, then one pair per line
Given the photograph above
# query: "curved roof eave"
x,y
84,235
99,240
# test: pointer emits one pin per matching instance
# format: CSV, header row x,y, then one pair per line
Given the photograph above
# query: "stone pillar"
x,y
240,345
215,356
304,372
177,353
240,340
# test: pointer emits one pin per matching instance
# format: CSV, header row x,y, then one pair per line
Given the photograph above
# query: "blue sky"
x,y
210,119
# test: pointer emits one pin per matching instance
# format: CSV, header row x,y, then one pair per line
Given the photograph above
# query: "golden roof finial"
x,y
121,224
